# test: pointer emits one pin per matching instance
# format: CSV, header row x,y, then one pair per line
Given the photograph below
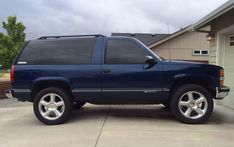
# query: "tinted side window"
x,y
120,51
58,52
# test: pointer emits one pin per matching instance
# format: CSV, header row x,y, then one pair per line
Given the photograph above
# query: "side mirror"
x,y
150,62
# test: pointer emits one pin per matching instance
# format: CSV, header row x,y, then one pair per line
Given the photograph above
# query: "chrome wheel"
x,y
51,106
193,105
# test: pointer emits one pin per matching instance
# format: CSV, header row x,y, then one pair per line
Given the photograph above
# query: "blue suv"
x,y
61,73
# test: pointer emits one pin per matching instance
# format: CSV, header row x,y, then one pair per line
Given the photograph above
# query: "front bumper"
x,y
222,92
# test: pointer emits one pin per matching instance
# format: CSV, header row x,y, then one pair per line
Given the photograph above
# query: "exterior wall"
x,y
229,71
213,51
181,47
223,55
217,46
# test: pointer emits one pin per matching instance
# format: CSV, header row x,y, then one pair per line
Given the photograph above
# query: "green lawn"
x,y
4,74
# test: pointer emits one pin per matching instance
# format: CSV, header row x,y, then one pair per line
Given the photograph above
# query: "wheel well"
x,y
45,84
206,83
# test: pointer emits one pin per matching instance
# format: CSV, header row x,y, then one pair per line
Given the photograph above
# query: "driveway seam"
x,y
228,107
103,124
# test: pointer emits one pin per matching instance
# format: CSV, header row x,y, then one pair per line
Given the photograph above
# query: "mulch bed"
x,y
4,85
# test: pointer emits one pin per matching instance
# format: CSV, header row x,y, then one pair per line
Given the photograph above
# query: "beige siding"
x,y
181,47
213,51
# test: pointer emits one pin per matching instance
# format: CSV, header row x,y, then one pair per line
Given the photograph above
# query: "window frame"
x,y
200,54
231,41
16,62
129,39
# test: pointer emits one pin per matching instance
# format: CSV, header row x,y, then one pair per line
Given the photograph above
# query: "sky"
x,y
72,17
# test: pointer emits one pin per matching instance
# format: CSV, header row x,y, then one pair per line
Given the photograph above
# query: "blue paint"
x,y
121,84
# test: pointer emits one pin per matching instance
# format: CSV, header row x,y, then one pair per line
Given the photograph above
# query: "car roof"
x,y
74,37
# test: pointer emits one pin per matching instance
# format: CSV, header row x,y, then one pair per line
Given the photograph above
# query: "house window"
x,y
231,40
200,52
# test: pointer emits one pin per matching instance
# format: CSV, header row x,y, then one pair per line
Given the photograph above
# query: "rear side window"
x,y
58,52
124,51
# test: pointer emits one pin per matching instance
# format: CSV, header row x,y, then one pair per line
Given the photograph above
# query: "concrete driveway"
x,y
113,126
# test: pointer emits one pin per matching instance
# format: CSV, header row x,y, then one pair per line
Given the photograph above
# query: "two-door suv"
x,y
60,73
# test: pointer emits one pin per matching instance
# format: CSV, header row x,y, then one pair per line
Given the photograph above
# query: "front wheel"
x,y
191,104
52,106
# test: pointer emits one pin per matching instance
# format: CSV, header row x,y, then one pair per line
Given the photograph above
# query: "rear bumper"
x,y
222,92
9,94
20,94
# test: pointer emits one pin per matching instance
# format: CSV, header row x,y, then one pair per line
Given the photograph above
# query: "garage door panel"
x,y
229,74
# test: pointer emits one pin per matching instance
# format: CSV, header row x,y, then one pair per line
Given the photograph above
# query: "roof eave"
x,y
214,14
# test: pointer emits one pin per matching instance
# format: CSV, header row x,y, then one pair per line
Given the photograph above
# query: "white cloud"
x,y
49,17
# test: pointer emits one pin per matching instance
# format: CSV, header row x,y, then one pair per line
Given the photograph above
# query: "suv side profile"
x,y
59,73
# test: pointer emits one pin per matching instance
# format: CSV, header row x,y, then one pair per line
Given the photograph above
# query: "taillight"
x,y
221,80
12,73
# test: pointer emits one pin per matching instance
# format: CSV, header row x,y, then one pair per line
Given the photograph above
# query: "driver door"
x,y
125,78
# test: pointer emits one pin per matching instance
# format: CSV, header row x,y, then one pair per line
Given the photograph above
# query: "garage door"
x,y
229,69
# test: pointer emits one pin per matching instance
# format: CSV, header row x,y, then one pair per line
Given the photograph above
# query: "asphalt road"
x,y
113,126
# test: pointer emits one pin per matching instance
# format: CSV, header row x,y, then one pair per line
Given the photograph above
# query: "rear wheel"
x,y
52,106
191,104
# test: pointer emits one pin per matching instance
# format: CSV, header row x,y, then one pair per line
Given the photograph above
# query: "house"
x,y
181,45
221,36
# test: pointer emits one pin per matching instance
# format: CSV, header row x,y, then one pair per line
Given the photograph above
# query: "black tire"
x,y
177,110
78,105
66,109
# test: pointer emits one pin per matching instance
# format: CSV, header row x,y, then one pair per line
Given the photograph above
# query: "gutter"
x,y
214,14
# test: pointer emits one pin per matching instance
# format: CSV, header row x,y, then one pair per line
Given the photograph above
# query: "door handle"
x,y
106,71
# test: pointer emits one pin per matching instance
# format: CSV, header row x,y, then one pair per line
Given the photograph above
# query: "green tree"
x,y
11,42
